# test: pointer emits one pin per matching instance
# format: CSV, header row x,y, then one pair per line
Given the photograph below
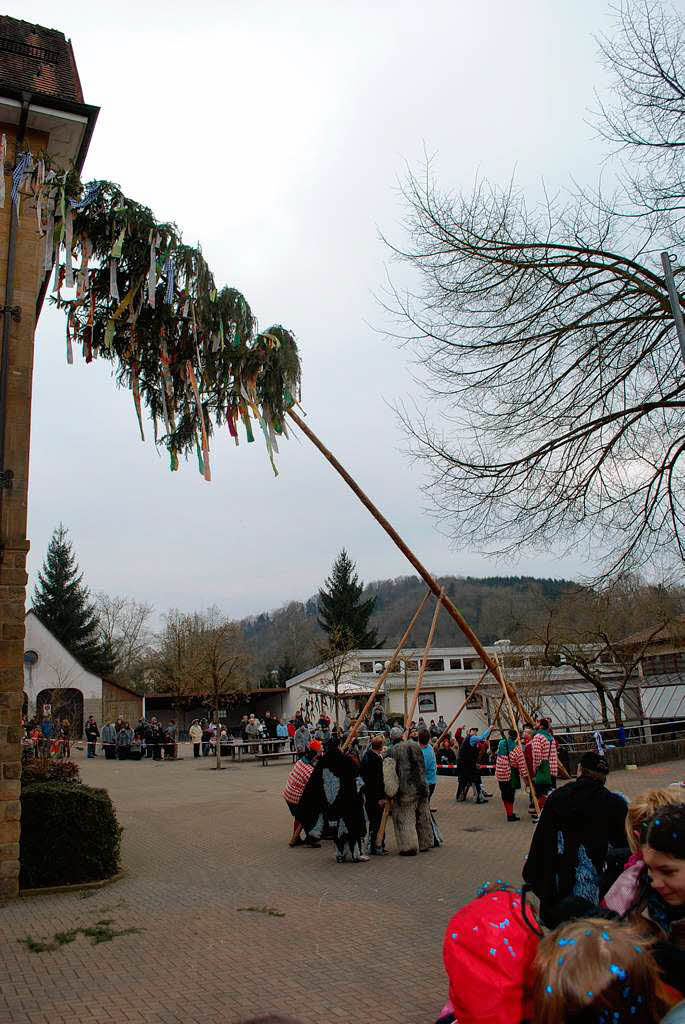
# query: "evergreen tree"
x,y
341,612
62,603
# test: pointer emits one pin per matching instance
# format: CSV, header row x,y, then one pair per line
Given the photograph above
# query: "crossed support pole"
x,y
492,665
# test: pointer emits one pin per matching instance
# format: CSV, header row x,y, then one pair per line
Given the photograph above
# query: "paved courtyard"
x,y
352,942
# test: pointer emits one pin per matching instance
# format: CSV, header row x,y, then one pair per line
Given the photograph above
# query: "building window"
x,y
456,663
661,664
474,701
473,663
427,703
435,665
366,666
412,666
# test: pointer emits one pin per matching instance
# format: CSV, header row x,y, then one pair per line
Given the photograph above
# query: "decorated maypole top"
x,y
148,303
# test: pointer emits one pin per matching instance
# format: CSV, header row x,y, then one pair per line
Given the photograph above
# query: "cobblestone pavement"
x,y
356,942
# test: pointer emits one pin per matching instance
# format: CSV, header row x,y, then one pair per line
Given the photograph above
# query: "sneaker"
x,y
513,817
361,857
314,843
296,842
535,818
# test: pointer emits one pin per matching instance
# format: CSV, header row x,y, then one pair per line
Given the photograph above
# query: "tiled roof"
x,y
674,630
37,60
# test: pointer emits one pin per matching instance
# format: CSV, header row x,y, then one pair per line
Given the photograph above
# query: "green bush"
x,y
69,834
49,771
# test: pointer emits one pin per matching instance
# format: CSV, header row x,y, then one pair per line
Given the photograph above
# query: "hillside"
x,y
289,639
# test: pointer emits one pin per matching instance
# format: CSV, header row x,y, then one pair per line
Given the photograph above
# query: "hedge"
x,y
49,771
69,834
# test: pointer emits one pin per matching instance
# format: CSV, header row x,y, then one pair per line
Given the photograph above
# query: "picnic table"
x,y
258,748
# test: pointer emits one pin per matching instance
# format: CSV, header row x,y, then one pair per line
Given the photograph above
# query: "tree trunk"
x,y
603,705
617,710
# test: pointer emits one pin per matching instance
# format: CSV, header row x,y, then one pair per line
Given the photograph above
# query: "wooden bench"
x,y
276,755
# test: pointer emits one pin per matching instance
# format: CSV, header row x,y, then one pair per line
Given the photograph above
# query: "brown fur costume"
x,y
404,776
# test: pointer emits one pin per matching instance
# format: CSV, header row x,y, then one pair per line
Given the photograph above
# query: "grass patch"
x,y
270,911
101,931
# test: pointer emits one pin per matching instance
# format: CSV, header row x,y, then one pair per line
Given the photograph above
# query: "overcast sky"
x,y
274,135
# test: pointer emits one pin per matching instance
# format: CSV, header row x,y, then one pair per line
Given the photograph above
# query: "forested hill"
x,y
290,638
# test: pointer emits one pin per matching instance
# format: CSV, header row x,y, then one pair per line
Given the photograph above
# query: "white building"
x,y
451,673
53,678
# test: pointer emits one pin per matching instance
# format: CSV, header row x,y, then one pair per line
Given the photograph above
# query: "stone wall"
x,y
13,509
639,754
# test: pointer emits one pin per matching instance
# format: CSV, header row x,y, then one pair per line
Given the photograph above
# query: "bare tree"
x,y
587,630
544,333
171,665
124,625
336,657
202,654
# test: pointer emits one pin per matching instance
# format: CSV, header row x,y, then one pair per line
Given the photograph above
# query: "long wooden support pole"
x,y
383,676
429,580
514,725
467,698
422,670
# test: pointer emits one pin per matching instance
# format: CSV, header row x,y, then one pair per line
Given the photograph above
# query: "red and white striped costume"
x,y
503,765
297,780
545,749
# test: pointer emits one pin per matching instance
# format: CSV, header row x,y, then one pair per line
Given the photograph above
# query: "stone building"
x,y
41,110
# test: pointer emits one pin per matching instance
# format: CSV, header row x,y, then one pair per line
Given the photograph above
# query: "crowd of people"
x,y
607,944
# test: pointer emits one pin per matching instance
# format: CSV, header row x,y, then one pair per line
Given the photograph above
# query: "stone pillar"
x,y
13,507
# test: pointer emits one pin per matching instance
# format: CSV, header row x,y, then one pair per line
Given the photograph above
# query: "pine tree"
x,y
62,603
341,612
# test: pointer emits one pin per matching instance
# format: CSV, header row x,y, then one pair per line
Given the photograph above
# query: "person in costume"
x,y
404,778
298,778
467,765
510,771
333,794
545,761
568,852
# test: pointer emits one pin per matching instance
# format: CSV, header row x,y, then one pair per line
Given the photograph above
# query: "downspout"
x,y
7,475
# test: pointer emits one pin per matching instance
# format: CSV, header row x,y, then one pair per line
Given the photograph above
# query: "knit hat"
x,y
316,746
396,733
488,953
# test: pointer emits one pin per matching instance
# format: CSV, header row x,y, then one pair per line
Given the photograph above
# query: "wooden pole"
x,y
381,679
429,580
467,698
380,836
422,669
515,727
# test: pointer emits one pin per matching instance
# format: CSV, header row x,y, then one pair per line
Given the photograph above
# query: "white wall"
x,y
55,668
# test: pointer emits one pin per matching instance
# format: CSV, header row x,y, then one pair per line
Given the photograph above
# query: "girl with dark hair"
x,y
662,897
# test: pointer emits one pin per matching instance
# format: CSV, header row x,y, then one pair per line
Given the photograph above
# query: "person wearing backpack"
x,y
545,761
